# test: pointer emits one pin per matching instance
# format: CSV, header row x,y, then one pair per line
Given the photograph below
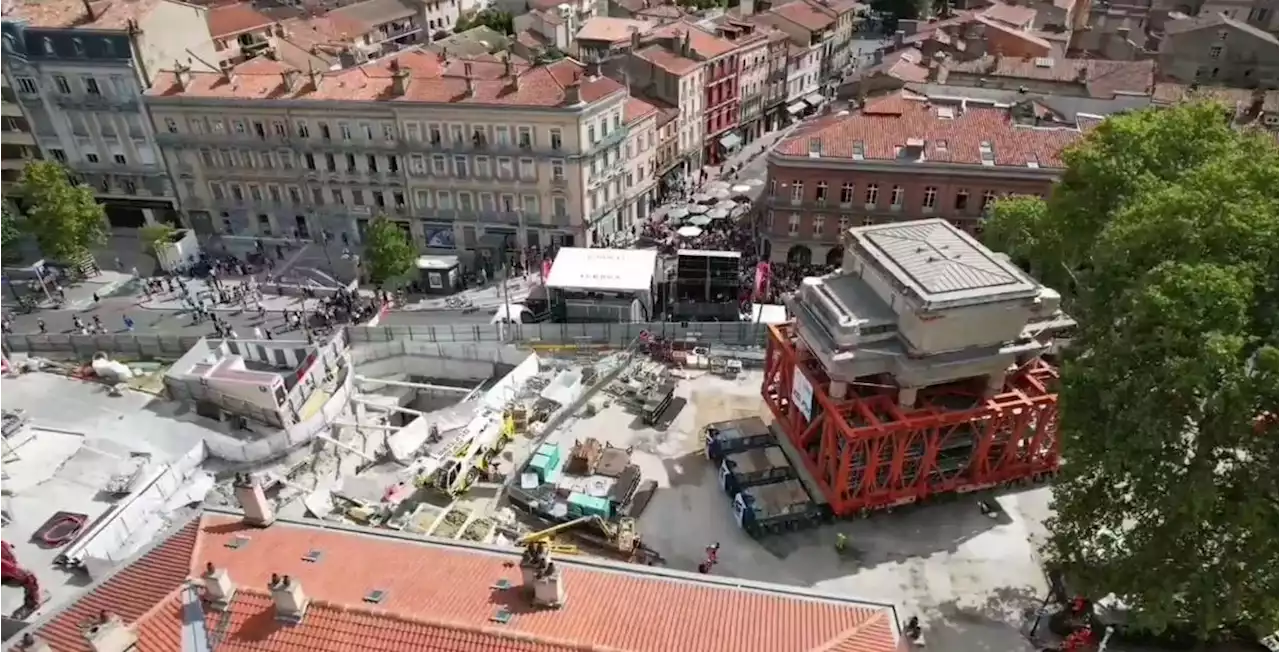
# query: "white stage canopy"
x,y
617,270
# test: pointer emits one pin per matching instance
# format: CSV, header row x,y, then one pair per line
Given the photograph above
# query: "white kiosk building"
x,y
602,285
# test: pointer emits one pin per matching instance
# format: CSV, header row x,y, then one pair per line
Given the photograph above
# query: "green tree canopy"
x,y
154,236
498,21
10,232
389,255
65,219
1163,235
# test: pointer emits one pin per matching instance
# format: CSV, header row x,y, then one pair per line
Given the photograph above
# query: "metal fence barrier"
x,y
147,346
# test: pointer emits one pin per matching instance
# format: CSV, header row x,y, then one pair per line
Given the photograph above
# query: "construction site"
x,y
920,370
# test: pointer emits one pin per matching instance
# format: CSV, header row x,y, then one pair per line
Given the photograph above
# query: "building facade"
x,y
667,71
17,143
640,187
470,157
80,90
904,157
1217,50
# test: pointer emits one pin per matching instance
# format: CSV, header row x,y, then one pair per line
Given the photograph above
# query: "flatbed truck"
x,y
754,467
776,508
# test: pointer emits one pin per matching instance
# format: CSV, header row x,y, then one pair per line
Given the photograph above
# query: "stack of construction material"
x,y
547,463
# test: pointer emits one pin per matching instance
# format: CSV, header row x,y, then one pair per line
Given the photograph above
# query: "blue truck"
x,y
753,467
727,437
777,508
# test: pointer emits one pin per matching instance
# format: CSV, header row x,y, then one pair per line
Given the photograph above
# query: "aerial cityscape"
x,y
640,325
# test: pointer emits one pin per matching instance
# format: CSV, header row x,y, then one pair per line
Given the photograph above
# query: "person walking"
x,y
128,323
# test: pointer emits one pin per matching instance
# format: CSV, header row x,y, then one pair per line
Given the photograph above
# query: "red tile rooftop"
x,y
667,60
230,20
1010,14
433,78
809,16
885,125
638,109
702,42
1102,77
105,14
443,597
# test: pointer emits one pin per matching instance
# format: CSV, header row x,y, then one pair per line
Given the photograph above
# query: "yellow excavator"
x,y
618,537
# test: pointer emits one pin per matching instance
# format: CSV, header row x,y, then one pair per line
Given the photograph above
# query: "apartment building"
x,y
241,32
17,143
640,187
826,26
775,99
752,40
478,157
666,69
77,71
908,156
719,59
1215,49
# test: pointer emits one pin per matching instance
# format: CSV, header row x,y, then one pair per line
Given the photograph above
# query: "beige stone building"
x,y
1215,49
640,184
467,155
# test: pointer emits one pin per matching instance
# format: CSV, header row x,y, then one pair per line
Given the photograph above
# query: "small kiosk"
x,y
439,274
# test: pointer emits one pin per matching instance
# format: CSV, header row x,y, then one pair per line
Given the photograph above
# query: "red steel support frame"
x,y
867,453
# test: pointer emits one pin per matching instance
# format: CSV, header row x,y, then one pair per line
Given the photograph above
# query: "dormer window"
x,y
48,46
78,46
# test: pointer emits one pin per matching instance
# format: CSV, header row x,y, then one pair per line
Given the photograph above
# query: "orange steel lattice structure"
x,y
867,453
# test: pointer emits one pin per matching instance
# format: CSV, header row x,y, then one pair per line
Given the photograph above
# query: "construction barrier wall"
x,y
604,335
82,347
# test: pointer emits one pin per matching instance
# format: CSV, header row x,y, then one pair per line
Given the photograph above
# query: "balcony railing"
x,y
96,102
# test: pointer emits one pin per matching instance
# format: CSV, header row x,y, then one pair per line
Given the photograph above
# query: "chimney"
x,y
686,48
471,83
291,603
542,577
899,37
315,76
1082,75
399,79
182,74
746,7
635,37
290,79
110,634
253,502
218,587
30,643
573,94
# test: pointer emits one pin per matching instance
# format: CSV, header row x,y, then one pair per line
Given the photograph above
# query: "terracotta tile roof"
x,y
1013,41
231,20
704,43
886,124
372,13
107,14
611,30
637,109
131,593
1172,93
433,79
661,13
805,15
1010,14
667,60
443,597
1102,77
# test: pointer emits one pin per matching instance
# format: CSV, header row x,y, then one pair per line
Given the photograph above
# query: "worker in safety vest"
x,y
842,542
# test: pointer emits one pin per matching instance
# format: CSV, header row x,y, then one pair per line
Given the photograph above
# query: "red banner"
x,y
762,280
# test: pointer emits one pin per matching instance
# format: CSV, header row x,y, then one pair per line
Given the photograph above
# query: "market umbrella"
x,y
689,232
697,209
740,188
754,183
727,205
677,213
719,193
701,198
717,214
701,220
717,185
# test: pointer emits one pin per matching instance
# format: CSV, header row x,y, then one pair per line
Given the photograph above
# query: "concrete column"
x,y
907,396
995,384
839,390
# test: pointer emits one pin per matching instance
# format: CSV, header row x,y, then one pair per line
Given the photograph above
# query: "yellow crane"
x,y
620,536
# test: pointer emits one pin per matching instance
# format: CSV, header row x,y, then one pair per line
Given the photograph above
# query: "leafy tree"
x,y
10,233
1163,234
388,253
65,219
154,236
499,21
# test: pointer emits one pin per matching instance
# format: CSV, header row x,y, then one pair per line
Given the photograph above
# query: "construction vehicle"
x,y
11,574
618,537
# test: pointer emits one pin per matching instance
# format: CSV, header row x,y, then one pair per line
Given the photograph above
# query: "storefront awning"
x,y
813,99
730,141
795,108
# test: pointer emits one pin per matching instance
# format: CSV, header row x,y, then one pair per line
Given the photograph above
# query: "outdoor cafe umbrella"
x,y
754,183
716,214
689,232
701,220
740,189
701,198
678,213
727,205
697,209
719,193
